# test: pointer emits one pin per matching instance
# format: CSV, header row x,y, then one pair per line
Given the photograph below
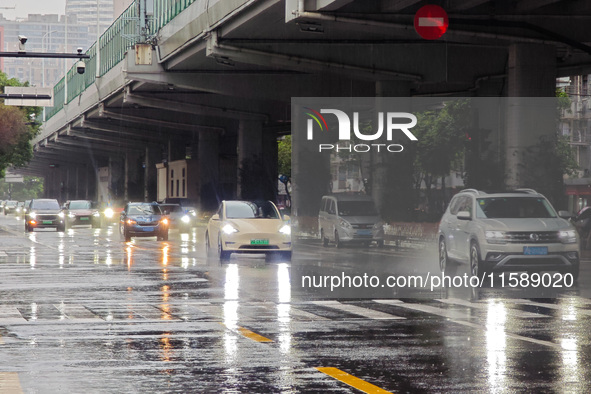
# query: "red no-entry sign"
x,y
431,22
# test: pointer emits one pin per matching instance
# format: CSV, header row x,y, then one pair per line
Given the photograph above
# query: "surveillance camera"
x,y
80,67
21,43
79,50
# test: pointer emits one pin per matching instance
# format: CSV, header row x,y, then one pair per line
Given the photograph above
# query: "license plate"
x,y
259,242
148,228
363,232
47,222
84,218
535,250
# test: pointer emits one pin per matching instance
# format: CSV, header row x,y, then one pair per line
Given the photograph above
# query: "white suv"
x,y
515,231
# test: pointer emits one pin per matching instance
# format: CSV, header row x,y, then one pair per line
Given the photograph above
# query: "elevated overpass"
x,y
208,83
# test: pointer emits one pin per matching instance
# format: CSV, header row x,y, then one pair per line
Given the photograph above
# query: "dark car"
x,y
44,213
81,212
143,219
180,217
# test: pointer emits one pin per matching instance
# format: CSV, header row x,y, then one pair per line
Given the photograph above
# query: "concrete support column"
x,y
209,168
532,73
126,177
250,147
147,164
391,174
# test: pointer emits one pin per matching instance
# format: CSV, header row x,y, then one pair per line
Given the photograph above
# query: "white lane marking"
x,y
10,312
548,306
447,314
484,306
357,310
75,312
430,21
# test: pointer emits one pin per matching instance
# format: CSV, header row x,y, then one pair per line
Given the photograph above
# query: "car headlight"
x,y
567,236
109,213
495,237
96,214
186,219
18,209
164,221
61,215
71,215
345,224
32,215
131,222
229,229
285,230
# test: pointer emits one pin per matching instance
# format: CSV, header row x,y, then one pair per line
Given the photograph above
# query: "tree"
x,y
284,156
17,129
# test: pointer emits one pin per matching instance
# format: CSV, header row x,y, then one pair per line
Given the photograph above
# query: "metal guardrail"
x,y
114,44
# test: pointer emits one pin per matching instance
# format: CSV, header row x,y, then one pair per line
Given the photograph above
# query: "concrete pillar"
x,y
146,173
209,168
391,174
250,149
126,177
532,73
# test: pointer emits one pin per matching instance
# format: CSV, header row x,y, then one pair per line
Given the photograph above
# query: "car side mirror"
x,y
215,217
464,215
286,218
565,214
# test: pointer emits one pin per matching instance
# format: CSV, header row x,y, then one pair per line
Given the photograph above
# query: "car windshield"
x,y
514,208
80,205
166,209
251,210
45,205
11,203
357,208
144,209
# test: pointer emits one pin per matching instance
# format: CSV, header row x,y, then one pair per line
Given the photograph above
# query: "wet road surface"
x,y
85,312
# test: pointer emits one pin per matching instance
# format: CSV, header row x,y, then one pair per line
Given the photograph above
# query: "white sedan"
x,y
248,227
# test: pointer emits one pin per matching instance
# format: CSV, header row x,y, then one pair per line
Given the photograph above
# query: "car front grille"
x,y
362,226
153,223
40,217
532,237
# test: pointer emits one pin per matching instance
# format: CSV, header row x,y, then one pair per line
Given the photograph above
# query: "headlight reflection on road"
x,y
32,257
230,311
129,256
165,255
284,308
496,345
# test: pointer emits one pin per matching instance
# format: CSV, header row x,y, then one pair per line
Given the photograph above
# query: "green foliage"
x,y
284,155
31,188
18,127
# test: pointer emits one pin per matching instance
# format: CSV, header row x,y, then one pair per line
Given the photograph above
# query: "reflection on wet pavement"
x,y
85,310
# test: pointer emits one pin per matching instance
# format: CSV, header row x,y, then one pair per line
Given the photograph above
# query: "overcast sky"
x,y
26,7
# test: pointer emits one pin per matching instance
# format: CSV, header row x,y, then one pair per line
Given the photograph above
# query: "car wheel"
x,y
443,257
222,254
285,255
165,236
61,228
337,241
207,245
574,271
476,265
323,238
380,243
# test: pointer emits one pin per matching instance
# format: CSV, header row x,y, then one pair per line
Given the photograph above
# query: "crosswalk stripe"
x,y
356,310
548,306
485,306
461,320
76,312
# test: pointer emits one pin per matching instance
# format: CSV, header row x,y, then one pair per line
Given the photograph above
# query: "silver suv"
x,y
515,231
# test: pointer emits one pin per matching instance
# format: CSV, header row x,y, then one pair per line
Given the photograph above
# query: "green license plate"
x,y
47,222
259,242
84,218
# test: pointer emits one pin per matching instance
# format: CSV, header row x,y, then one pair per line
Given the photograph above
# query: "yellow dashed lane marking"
x,y
9,383
351,380
253,335
249,334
